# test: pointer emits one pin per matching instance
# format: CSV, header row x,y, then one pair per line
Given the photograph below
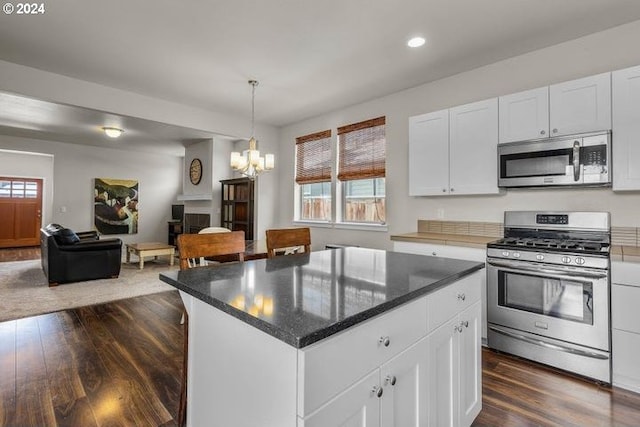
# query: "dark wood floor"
x,y
19,254
115,364
119,364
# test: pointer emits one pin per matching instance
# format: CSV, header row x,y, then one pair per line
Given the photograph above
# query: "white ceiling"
x,y
309,56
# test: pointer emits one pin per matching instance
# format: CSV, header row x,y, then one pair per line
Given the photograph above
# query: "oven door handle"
x,y
549,345
557,274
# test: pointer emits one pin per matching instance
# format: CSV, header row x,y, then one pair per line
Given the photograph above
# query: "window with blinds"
x,y
313,174
361,170
362,150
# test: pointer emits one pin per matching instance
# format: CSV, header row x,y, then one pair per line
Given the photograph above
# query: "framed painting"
x,y
116,206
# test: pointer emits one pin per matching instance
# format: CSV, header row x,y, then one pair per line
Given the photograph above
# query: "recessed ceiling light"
x,y
416,42
112,132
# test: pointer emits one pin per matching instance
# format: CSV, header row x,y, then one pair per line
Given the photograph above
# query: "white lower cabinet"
x,y
625,324
358,406
435,381
392,396
454,369
404,380
452,251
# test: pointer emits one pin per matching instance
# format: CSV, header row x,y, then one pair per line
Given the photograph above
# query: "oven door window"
x,y
538,163
567,299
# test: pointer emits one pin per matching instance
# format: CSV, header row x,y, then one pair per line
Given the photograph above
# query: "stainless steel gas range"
x,y
548,290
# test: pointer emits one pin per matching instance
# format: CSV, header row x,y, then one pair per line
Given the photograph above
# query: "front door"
x,y
20,211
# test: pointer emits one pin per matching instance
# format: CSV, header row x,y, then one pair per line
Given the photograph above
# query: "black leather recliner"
x,y
74,257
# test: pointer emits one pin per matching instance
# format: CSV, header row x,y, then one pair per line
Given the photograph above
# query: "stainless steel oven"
x,y
570,160
548,293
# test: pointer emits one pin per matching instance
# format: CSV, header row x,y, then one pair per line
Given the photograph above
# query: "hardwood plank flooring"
x,y
518,392
115,364
120,364
19,254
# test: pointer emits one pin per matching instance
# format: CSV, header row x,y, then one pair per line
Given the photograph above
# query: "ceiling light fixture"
x,y
249,163
112,132
416,42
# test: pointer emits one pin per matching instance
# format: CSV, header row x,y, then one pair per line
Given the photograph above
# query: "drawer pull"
x,y
391,379
377,391
462,297
434,253
385,341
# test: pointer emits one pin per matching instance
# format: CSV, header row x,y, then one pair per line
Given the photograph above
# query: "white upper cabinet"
x,y
626,129
580,106
473,142
454,151
524,115
576,106
429,154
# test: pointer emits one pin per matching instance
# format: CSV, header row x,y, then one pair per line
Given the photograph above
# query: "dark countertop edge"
x,y
302,342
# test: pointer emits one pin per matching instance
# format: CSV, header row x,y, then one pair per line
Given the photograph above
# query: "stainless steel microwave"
x,y
583,159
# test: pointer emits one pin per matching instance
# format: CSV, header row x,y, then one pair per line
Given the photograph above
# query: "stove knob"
x,y
580,260
566,259
539,257
505,253
516,254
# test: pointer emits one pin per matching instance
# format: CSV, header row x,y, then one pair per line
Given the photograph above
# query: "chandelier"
x,y
249,163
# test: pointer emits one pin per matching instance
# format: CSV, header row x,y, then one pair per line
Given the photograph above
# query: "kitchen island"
x,y
351,336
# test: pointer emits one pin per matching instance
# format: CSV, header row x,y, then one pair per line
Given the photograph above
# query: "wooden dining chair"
x,y
194,247
288,240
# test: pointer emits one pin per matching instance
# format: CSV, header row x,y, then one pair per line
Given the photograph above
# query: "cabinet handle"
x,y
457,328
555,131
464,323
390,379
444,190
385,341
452,190
434,253
542,132
377,390
462,297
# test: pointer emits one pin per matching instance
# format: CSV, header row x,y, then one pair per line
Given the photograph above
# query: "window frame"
x,y
338,187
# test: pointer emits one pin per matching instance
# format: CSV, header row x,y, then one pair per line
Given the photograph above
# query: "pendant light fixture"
x,y
249,163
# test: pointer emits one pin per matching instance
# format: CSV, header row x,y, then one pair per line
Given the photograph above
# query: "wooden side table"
x,y
153,249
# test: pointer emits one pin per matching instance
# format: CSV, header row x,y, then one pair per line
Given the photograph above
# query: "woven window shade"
x,y
313,158
362,150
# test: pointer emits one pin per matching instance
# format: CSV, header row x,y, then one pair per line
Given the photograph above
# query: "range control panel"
x,y
552,219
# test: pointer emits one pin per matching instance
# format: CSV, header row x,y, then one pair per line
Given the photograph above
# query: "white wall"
x,y
31,165
52,87
605,51
76,166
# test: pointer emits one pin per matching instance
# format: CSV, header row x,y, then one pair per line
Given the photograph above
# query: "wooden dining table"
x,y
254,249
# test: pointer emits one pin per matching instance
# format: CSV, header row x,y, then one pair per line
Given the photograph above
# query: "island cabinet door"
x,y
442,375
470,362
404,383
454,382
358,406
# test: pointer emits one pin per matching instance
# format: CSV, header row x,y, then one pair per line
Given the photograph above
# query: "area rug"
x,y
24,290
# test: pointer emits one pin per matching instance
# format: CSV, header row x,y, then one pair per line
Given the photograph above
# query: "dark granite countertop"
x,y
301,299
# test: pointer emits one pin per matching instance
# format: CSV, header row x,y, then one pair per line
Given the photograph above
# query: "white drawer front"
x,y
450,300
625,351
625,301
626,273
329,366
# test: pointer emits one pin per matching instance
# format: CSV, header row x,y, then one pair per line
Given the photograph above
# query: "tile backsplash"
x,y
468,228
623,236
